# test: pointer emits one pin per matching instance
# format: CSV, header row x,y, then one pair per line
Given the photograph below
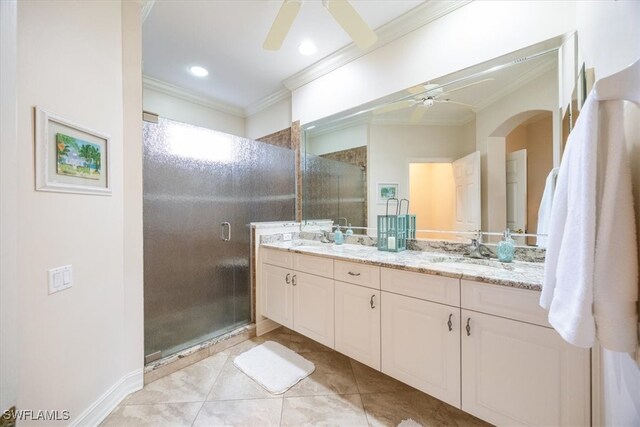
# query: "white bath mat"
x,y
274,366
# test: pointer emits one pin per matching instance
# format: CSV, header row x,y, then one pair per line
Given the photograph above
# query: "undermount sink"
x,y
494,263
309,244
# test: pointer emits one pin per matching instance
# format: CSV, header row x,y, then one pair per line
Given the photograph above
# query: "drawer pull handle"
x,y
288,278
372,302
351,273
449,323
468,328
293,280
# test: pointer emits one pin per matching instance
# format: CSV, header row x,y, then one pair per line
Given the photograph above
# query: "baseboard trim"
x,y
266,325
106,403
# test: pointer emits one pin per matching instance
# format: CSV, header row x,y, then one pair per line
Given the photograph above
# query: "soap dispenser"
x,y
506,247
338,237
349,231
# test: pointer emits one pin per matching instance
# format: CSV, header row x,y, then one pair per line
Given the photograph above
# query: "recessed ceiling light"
x,y
198,71
307,48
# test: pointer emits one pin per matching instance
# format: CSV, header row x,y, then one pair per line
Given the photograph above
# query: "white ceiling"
x,y
226,37
489,88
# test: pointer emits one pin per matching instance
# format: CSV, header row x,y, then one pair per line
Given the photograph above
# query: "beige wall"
x,y
393,147
269,120
541,94
77,344
182,110
535,136
432,195
9,358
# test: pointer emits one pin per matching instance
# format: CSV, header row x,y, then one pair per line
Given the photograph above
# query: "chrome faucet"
x,y
345,221
325,236
477,249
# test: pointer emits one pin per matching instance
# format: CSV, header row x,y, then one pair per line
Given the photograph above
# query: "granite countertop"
x,y
517,274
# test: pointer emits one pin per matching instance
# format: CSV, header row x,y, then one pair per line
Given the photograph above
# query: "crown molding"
x,y
516,84
186,95
267,101
338,125
406,23
468,118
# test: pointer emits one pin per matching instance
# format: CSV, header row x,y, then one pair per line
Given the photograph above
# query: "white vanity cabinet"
x,y
297,296
484,348
514,371
357,306
421,338
278,294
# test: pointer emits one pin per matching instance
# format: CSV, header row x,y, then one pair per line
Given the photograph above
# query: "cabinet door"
x,y
418,346
313,307
277,294
519,374
358,323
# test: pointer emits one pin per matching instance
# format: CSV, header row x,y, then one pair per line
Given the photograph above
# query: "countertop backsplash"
x,y
522,253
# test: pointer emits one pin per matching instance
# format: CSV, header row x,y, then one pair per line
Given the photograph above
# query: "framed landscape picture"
x,y
71,158
387,191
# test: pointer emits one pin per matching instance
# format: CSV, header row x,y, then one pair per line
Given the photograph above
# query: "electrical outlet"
x,y
60,278
287,237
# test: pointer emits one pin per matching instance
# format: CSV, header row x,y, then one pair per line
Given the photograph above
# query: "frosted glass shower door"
x,y
201,190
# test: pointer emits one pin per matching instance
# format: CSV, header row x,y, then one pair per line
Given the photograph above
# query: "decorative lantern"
x,y
392,230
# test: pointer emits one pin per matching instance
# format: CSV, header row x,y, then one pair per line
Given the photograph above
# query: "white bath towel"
x,y
591,268
544,212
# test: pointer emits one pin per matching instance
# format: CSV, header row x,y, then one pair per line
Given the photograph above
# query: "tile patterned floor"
x,y
341,392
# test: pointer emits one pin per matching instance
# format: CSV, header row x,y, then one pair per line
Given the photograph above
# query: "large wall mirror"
x,y
472,150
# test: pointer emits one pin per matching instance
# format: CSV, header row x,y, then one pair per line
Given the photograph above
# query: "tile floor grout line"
x,y
197,414
161,403
212,384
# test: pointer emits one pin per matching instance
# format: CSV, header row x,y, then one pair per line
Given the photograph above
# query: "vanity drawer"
x,y
444,290
276,257
359,274
512,303
313,265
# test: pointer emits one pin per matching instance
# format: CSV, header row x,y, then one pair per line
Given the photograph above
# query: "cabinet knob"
x,y
372,302
293,280
468,328
288,278
449,323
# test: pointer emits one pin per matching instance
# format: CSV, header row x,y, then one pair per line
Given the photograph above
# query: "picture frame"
x,y
386,191
71,158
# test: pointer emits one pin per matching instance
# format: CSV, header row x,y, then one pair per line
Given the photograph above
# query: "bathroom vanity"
x,y
468,332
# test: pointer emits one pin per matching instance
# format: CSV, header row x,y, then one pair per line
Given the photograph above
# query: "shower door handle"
x,y
225,237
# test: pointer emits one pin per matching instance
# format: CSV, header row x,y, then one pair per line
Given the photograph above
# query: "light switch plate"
x,y
286,237
60,278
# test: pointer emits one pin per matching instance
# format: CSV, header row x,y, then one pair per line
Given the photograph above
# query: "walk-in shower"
x,y
202,188
334,190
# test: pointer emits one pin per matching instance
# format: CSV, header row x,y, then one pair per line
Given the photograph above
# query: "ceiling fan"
x,y
427,96
361,34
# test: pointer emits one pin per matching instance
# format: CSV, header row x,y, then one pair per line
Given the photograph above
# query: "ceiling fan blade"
x,y
469,85
448,101
350,21
282,24
395,106
416,90
417,114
